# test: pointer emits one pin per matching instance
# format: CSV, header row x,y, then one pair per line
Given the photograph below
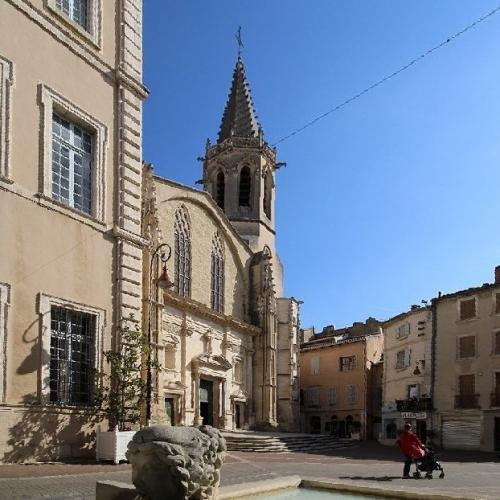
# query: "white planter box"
x,y
112,445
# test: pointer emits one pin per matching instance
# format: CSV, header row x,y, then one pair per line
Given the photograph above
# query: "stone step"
x,y
284,444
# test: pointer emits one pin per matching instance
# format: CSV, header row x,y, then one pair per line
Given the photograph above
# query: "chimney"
x,y
497,275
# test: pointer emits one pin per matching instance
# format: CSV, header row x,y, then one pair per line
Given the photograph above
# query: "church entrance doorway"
x,y
207,402
170,410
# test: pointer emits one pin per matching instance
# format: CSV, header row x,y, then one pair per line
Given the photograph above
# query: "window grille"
x,y
347,363
71,356
182,252
220,189
468,309
71,164
217,275
245,183
76,10
467,347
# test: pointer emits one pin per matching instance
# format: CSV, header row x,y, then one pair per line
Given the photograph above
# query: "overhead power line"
x,y
392,75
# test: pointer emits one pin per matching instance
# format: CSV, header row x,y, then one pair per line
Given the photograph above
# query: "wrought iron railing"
x,y
414,404
467,401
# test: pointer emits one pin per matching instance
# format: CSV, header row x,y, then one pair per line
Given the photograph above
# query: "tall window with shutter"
x,y
496,342
403,359
467,308
332,396
314,365
351,391
467,347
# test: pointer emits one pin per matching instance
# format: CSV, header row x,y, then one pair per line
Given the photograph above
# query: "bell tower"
x,y
239,171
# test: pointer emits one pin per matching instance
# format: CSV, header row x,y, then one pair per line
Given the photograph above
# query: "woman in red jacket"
x,y
411,447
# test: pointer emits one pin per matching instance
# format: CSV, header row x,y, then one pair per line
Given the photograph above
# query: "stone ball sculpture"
x,y
176,463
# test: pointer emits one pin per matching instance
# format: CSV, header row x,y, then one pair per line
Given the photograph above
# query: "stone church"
x,y
226,338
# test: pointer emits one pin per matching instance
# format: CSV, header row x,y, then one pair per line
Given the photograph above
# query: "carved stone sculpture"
x,y
176,463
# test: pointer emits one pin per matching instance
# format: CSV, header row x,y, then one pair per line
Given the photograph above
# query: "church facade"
x,y
226,338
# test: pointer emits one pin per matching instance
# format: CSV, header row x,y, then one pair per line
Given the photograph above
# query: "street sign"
x,y
416,415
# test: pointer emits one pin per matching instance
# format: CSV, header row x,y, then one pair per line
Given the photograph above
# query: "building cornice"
x,y
71,39
193,306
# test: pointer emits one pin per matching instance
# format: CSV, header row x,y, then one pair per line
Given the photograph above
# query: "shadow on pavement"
x,y
371,478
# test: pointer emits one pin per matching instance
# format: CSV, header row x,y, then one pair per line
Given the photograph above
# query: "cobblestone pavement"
x,y
472,475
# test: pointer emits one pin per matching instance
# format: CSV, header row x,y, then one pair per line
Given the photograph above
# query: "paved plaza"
x,y
468,474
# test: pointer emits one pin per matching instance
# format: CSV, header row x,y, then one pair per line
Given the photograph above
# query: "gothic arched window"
x,y
268,193
217,275
220,189
245,182
182,252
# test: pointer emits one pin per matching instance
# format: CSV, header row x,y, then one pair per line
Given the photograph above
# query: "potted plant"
x,y
122,395
356,430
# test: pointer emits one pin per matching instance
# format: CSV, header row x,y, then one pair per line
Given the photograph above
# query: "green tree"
x,y
124,389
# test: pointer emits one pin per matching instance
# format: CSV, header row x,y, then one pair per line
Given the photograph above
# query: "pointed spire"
x,y
239,118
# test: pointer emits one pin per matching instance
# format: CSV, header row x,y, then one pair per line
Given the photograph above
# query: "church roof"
x,y
239,118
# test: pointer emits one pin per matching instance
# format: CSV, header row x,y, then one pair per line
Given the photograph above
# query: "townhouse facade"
x,y
466,367
407,373
71,98
337,378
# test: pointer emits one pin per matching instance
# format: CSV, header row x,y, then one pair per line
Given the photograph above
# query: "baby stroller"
x,y
427,463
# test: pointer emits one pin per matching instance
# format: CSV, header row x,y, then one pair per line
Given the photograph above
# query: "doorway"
x,y
422,430
206,402
497,433
169,411
315,424
238,415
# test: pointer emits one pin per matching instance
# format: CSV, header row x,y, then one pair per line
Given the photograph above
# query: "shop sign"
x,y
422,415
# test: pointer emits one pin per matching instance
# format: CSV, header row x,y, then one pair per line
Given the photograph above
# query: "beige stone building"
x,y
336,380
466,375
70,197
226,337
407,373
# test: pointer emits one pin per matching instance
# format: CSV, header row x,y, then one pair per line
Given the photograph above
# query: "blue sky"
x,y
382,204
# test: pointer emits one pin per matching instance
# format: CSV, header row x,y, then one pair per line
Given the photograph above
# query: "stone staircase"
x,y
284,442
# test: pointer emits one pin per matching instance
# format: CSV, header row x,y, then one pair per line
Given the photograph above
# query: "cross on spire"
x,y
239,41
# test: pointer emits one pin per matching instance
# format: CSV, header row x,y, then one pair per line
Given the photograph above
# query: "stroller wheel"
x,y
441,476
417,475
428,475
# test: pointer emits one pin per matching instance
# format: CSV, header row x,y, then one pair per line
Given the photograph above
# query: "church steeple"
x,y
239,118
239,171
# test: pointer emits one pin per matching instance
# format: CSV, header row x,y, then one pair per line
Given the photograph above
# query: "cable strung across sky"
x,y
388,77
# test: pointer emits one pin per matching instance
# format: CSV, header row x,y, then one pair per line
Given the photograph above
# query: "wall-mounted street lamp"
x,y
163,282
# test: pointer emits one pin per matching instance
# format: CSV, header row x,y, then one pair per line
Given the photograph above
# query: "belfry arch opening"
x,y
245,187
220,189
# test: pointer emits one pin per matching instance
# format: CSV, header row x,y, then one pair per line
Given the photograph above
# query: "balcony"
x,y
495,398
466,401
414,404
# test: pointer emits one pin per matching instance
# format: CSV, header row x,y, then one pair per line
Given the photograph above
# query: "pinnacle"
x,y
239,118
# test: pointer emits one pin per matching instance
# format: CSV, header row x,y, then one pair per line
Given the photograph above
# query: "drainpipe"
x,y
433,357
